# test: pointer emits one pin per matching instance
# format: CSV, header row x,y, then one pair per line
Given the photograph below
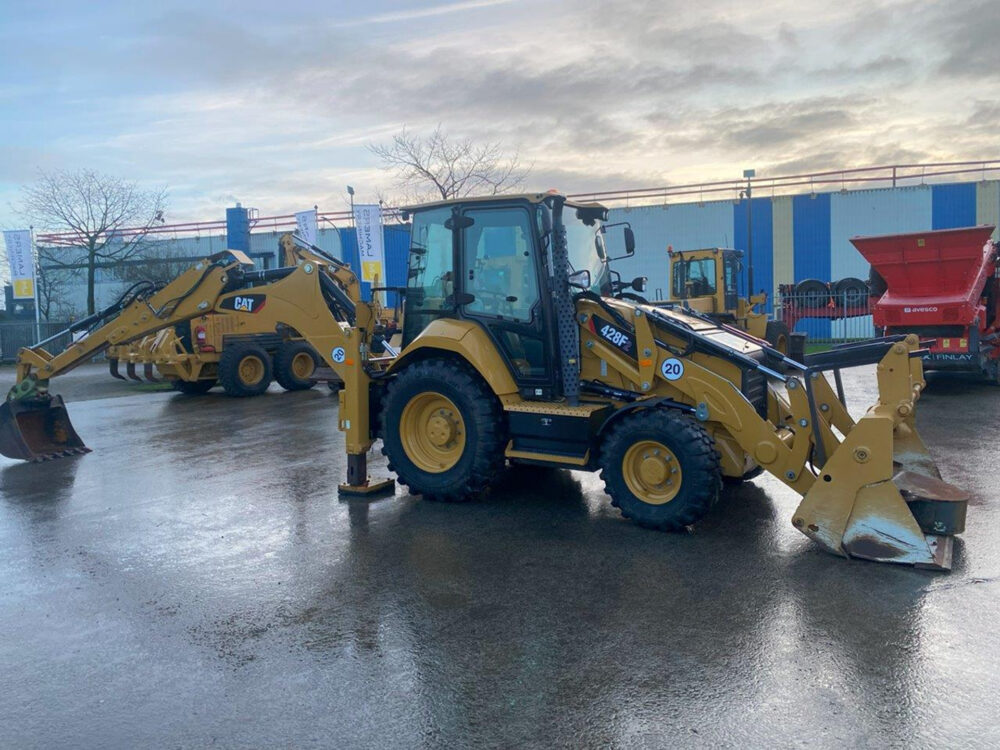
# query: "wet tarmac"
x,y
195,581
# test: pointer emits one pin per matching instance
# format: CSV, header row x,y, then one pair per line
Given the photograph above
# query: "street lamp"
x,y
748,175
350,192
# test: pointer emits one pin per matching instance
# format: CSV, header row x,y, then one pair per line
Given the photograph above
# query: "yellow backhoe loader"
x,y
192,354
513,351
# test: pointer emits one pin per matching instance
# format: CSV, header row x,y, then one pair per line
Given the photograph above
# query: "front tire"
x,y
661,469
245,370
294,365
442,430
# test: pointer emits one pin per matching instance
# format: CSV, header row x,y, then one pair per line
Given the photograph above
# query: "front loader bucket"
x,y
863,507
879,495
38,429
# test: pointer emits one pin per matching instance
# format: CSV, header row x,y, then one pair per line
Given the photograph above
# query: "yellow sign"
x,y
24,288
371,270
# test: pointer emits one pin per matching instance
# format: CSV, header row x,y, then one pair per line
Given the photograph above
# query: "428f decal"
x,y
621,340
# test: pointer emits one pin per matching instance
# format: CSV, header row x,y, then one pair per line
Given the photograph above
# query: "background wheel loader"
x,y
513,351
705,281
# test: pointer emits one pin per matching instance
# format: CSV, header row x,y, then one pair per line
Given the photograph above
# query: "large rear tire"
x,y
777,335
442,430
294,365
661,469
245,370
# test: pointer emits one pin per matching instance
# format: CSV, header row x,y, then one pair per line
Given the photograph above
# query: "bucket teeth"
x,y
113,368
147,372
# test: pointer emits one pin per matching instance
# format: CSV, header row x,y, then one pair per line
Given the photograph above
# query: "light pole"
x,y
350,192
749,174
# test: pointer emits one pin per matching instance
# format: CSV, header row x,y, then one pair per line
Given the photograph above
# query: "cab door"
x,y
500,278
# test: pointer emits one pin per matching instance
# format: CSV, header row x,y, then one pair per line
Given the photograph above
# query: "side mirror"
x,y
639,283
579,279
629,241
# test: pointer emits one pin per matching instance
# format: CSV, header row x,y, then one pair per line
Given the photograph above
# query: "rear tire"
x,y
245,370
777,335
294,365
442,430
661,469
193,387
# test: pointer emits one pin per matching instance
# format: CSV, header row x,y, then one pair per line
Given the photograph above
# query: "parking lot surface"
x,y
195,581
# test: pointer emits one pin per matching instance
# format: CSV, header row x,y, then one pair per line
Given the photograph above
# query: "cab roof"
x,y
529,197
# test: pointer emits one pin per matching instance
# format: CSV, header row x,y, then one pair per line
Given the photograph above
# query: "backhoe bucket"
x,y
38,429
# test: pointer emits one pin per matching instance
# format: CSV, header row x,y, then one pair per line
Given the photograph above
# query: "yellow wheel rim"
x,y
303,365
652,472
432,432
251,370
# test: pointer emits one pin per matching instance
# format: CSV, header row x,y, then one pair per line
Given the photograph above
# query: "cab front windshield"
x,y
585,243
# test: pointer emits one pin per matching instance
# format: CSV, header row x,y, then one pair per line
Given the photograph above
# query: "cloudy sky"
x,y
272,103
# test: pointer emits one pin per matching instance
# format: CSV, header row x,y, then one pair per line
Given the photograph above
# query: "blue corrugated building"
x,y
795,237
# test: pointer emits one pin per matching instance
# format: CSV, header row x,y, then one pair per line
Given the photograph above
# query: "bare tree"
x,y
445,167
105,218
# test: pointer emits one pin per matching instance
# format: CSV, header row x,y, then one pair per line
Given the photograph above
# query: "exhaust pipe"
x,y
38,429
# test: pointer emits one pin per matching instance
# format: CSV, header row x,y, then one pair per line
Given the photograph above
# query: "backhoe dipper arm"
x,y
189,295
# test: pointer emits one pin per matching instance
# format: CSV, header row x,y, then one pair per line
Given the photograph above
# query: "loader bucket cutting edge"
x,y
38,430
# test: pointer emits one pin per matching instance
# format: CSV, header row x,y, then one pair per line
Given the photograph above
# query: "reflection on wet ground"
x,y
196,581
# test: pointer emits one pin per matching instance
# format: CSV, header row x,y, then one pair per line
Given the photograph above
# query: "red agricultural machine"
x,y
942,285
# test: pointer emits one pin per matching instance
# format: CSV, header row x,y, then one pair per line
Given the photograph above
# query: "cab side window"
x,y
499,264
430,283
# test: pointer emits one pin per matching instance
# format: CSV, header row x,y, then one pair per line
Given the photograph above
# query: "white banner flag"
x,y
22,263
308,226
368,221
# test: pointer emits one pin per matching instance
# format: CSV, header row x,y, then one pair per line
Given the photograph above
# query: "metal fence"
x,y
827,318
14,335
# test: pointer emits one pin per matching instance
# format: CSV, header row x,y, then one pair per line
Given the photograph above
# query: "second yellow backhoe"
x,y
515,350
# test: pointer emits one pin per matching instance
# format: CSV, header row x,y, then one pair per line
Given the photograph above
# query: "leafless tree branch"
x,y
107,218
439,166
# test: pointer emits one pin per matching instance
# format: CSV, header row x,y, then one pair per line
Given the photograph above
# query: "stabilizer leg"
x,y
358,483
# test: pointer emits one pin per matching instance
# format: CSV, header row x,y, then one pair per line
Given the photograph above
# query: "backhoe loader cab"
x,y
518,348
